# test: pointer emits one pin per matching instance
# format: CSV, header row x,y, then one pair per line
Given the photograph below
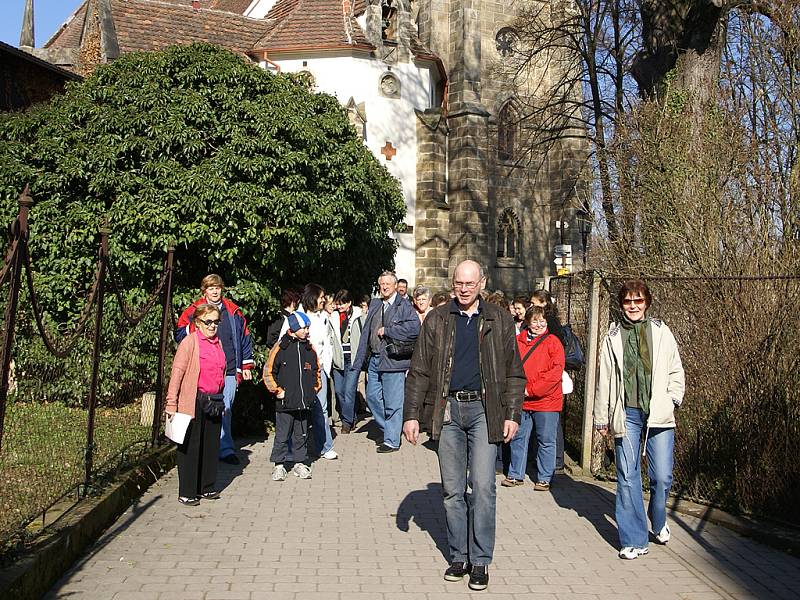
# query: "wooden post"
x,y
98,330
590,382
166,332
15,263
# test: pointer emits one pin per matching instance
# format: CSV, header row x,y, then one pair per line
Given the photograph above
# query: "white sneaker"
x,y
662,537
278,473
302,471
330,455
629,552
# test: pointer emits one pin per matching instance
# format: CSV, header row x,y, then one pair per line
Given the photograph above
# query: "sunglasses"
x,y
636,301
210,322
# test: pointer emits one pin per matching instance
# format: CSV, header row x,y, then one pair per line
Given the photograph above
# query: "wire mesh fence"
x,y
79,399
738,430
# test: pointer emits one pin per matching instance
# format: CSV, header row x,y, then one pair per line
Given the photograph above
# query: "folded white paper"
x,y
176,426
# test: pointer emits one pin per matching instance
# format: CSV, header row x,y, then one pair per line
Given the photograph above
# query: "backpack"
x,y
573,355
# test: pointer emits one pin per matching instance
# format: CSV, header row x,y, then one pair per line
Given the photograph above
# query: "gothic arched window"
x,y
507,235
506,132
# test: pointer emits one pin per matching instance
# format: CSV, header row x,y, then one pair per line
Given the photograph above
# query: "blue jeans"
x,y
346,382
464,447
630,516
385,393
519,447
546,424
323,440
225,438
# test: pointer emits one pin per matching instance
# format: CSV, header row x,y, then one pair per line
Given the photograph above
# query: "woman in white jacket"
x,y
313,301
639,385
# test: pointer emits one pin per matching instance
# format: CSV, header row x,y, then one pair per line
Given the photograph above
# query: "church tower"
x,y
500,200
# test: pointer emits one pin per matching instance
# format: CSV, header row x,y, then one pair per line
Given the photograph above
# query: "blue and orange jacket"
x,y
242,342
293,368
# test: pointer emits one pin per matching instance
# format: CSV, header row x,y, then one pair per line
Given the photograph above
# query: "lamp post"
x,y
584,220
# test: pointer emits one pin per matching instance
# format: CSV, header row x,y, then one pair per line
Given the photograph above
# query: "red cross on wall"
x,y
388,150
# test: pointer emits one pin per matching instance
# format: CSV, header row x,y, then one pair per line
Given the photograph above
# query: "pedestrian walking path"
x,y
371,526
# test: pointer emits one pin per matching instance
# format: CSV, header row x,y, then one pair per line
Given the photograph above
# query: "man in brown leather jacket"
x,y
465,388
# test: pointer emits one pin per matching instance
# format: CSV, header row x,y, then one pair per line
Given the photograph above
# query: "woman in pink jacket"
x,y
195,389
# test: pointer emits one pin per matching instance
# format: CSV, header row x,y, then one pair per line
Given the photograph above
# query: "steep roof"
x,y
304,24
155,24
290,25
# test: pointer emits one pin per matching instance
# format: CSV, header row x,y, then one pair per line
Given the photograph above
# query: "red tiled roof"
x,y
155,24
234,6
290,25
304,24
69,36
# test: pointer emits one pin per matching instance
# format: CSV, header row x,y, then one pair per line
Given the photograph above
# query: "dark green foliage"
x,y
250,174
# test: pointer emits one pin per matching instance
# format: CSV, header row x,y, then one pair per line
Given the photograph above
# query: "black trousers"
x,y
292,425
197,455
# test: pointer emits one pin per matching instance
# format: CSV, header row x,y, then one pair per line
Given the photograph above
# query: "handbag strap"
x,y
535,346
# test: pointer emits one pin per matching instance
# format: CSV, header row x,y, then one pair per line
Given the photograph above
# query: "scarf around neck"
x,y
637,373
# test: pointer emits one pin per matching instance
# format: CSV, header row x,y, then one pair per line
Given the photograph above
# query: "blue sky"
x,y
48,16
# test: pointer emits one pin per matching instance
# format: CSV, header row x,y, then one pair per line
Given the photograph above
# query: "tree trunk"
x,y
686,35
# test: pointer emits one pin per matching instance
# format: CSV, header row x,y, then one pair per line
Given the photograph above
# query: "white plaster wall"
x,y
388,119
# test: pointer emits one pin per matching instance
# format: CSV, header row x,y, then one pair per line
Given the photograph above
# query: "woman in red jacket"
x,y
543,360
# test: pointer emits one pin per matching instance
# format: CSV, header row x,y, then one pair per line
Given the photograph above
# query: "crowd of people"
x,y
481,375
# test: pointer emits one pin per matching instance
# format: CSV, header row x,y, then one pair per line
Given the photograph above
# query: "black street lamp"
x,y
584,220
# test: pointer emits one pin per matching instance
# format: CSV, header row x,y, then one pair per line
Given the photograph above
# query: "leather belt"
x,y
466,395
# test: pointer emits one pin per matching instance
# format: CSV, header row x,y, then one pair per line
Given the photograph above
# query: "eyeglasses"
x,y
636,301
538,324
210,322
469,285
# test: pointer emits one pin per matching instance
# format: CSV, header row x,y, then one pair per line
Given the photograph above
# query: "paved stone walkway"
x,y
371,527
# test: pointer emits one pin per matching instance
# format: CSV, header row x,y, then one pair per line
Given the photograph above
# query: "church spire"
x,y
26,38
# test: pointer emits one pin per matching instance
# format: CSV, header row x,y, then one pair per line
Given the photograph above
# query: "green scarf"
x,y
637,372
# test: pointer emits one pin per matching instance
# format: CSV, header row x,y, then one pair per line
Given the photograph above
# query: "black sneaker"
x,y
384,449
456,571
188,501
231,459
479,578
210,495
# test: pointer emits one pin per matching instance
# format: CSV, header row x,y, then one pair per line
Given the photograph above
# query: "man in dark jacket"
x,y
390,318
465,388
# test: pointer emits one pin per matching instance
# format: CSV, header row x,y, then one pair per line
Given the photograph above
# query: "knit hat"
x,y
298,320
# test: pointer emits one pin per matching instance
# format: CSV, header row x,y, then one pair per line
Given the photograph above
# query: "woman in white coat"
x,y
313,302
639,385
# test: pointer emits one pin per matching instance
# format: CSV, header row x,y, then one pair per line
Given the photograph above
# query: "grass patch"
x,y
43,451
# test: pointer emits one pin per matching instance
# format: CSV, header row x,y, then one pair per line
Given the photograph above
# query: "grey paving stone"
x,y
372,526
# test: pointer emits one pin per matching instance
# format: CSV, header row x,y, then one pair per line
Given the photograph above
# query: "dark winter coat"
x,y
502,377
400,323
293,368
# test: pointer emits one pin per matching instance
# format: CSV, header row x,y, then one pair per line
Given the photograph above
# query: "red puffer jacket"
x,y
543,371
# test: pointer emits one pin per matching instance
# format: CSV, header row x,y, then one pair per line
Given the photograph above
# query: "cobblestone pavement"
x,y
371,526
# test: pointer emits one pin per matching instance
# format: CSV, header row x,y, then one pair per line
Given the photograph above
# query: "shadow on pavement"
x,y
227,473
374,432
589,502
425,508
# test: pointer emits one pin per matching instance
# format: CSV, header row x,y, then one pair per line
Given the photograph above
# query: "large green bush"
x,y
250,175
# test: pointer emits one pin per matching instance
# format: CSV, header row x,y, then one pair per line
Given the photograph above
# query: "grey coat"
x,y
400,322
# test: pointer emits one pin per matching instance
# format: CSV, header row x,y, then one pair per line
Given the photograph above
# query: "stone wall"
x,y
431,233
539,188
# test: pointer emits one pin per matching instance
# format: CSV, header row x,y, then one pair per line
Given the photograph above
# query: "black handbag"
x,y
398,350
211,404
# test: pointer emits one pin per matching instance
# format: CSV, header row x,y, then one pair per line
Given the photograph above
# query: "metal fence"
x,y
738,430
80,400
